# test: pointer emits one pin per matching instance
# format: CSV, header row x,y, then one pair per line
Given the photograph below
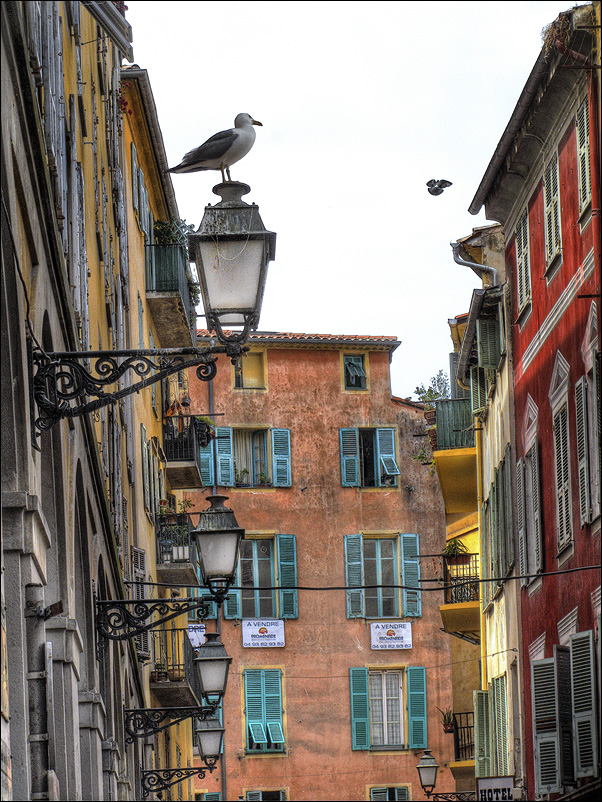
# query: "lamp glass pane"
x,y
213,676
210,742
232,271
218,552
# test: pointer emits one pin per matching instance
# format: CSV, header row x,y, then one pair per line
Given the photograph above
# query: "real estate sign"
x,y
385,635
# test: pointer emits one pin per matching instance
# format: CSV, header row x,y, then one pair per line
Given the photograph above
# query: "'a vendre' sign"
x,y
262,632
386,635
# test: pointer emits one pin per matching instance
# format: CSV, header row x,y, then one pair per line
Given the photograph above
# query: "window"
x,y
263,564
354,369
382,561
249,372
583,158
558,396
214,796
523,261
265,796
368,457
491,729
388,708
397,793
587,409
530,542
248,458
263,710
551,202
498,543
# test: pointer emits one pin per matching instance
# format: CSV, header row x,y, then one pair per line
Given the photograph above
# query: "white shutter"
x,y
563,486
581,401
521,522
142,640
481,734
583,157
583,684
535,509
551,195
523,262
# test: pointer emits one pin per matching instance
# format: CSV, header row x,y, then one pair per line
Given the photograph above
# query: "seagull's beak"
x,y
256,122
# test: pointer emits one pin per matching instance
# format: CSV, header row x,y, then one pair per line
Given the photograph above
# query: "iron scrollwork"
x,y
158,780
124,619
139,723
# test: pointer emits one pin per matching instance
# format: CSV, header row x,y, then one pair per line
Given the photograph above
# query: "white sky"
x,y
361,104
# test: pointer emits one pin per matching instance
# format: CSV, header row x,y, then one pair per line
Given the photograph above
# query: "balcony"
x,y
174,679
462,766
182,447
168,295
454,424
176,552
460,612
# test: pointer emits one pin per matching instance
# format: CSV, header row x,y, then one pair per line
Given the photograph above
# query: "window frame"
x,y
355,468
267,711
277,457
355,367
552,214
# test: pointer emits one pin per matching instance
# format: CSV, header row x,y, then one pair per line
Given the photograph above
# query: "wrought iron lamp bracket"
x,y
139,723
460,796
125,618
157,780
59,378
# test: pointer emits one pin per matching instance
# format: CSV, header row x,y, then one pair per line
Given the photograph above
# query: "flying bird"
x,y
437,187
221,150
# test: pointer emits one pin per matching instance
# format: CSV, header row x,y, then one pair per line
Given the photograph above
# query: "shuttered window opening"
x,y
583,155
248,458
355,372
530,541
563,477
382,561
265,796
388,708
523,261
263,710
142,640
368,457
488,343
397,793
552,226
265,563
588,446
585,706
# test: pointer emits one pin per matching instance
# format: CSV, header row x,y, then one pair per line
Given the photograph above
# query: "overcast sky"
x,y
361,104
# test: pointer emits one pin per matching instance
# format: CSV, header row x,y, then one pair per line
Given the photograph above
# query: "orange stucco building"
x,y
319,463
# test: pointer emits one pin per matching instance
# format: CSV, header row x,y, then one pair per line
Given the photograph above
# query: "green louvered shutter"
x,y
585,510
500,728
385,453
417,726
354,576
281,457
272,690
206,465
255,706
478,390
402,794
212,797
481,734
360,713
488,344
232,605
510,551
287,575
350,457
585,708
379,794
410,576
225,457
253,796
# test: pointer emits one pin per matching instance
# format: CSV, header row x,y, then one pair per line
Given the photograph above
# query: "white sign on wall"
x,y
493,789
258,632
387,635
196,633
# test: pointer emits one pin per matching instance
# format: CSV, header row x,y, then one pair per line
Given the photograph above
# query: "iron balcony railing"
x,y
174,541
464,736
182,439
172,656
454,424
166,272
461,578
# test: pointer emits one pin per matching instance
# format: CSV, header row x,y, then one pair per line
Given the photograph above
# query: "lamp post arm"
x,y
115,621
141,722
157,780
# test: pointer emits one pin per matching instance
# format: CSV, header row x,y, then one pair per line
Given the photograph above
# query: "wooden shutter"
x,y
508,516
350,457
402,794
142,640
253,796
417,724
410,575
481,734
233,604
385,453
207,464
500,725
523,262
354,576
286,547
360,711
585,510
488,344
212,797
254,706
478,390
583,159
535,508
551,210
281,457
379,794
585,708
563,486
521,521
134,167
145,471
272,694
225,457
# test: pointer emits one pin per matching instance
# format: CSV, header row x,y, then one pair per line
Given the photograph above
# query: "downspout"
x,y
490,271
479,458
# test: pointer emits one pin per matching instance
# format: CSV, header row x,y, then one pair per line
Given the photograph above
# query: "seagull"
x,y
221,150
437,187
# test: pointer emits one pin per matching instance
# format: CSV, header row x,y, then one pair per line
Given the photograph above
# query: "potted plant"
x,y
241,477
447,719
159,674
456,550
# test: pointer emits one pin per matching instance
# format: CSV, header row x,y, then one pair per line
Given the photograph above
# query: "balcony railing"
x,y
173,673
182,439
166,272
454,422
464,736
461,578
174,543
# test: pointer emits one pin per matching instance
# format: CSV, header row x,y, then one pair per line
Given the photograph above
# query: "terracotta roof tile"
x,y
290,337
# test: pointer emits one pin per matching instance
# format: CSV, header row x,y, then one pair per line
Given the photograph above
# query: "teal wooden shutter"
x,y
253,796
225,457
206,464
509,538
478,390
233,605
379,794
410,576
212,797
417,727
360,715
272,694
583,684
281,457
488,344
354,576
585,510
481,734
402,794
350,457
255,707
500,725
385,453
286,546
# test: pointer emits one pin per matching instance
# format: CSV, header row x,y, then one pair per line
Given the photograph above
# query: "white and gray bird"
x,y
436,187
222,150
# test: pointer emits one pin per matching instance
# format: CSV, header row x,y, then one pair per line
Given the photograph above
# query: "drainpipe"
x,y
490,271
36,686
479,458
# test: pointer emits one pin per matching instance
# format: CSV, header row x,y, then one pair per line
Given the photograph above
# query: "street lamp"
x,y
209,736
231,250
427,771
212,666
217,538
